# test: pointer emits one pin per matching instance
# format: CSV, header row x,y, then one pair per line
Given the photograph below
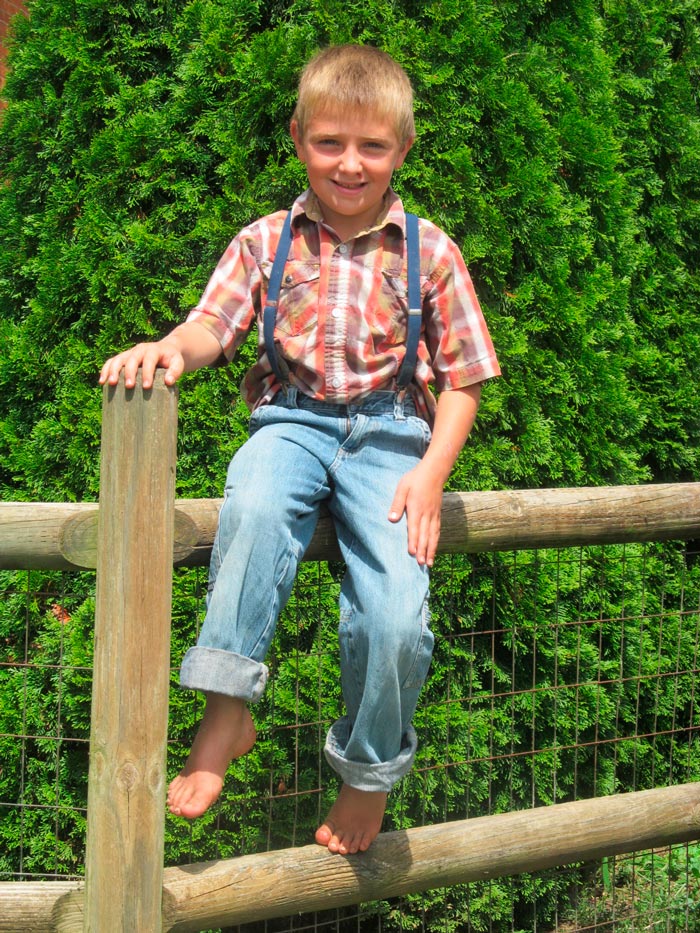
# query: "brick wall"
x,y
8,8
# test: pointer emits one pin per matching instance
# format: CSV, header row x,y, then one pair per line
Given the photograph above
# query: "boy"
x,y
333,421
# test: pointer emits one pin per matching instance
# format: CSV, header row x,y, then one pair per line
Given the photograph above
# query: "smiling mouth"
x,y
350,186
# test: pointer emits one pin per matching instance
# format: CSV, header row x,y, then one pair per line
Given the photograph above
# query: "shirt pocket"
x,y
389,321
297,308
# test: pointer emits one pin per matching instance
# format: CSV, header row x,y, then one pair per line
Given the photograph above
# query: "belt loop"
x,y
290,392
399,409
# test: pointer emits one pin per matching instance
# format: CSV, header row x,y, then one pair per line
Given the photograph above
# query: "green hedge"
x,y
559,146
558,143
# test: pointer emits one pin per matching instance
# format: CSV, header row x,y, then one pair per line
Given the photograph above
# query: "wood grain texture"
x,y
278,884
310,878
126,794
64,536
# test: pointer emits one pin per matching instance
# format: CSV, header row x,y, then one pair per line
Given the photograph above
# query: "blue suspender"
x,y
408,365
414,302
273,293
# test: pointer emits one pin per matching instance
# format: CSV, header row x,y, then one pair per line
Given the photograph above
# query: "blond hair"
x,y
356,79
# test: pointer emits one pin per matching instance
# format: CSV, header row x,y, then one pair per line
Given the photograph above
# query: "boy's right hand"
x,y
184,349
147,357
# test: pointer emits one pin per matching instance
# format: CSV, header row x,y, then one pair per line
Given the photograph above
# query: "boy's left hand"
x,y
419,495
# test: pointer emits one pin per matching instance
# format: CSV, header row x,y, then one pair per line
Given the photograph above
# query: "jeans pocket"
x,y
423,429
257,419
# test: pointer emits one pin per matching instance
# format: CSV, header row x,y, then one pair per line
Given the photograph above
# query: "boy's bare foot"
x,y
353,822
225,732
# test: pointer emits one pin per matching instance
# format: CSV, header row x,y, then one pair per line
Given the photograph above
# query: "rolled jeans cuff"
x,y
214,670
380,776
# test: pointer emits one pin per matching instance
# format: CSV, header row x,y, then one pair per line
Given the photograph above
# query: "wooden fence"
x,y
133,538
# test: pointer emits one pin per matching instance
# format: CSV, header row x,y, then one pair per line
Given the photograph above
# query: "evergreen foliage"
x,y
558,143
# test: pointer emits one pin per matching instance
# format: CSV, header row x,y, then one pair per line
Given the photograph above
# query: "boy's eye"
x,y
370,145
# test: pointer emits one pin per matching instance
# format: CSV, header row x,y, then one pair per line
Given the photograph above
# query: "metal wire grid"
x,y
528,645
44,725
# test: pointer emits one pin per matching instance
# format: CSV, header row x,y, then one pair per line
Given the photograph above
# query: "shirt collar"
x,y
392,211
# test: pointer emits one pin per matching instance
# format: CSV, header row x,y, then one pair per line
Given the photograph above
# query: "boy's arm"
x,y
419,493
186,348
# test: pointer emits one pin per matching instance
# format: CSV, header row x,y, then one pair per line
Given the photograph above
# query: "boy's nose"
x,y
350,160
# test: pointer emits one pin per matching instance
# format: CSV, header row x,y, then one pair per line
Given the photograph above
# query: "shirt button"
x,y
337,313
335,382
342,249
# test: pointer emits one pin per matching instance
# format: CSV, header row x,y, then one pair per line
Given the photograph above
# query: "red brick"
x,y
8,9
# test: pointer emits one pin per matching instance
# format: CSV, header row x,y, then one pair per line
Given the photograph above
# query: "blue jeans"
x,y
300,454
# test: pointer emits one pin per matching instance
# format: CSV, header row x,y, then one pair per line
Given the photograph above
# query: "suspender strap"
x,y
408,365
279,367
414,303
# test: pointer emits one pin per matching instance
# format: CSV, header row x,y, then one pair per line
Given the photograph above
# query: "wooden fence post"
x,y
124,859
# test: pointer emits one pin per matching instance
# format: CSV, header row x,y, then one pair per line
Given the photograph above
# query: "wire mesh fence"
x,y
557,675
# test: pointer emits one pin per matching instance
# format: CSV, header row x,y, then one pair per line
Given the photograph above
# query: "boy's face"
x,y
349,161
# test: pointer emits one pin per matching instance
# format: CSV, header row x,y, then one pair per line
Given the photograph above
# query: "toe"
x,y
345,844
324,834
353,844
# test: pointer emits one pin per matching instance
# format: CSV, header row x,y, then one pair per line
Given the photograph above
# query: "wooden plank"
x,y
34,905
64,536
521,519
275,884
253,888
126,789
31,534
78,539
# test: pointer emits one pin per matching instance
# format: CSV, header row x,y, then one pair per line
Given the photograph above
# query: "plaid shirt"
x,y
341,317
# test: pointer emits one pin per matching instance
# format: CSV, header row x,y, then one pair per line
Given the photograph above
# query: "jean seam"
x,y
273,614
412,680
345,622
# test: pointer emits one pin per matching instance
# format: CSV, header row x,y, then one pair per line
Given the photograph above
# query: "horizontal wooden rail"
x,y
277,884
64,536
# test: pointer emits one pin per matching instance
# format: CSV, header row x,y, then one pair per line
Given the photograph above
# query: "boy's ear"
x,y
404,151
296,136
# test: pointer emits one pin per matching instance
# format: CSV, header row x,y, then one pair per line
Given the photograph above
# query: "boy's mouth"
x,y
349,185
